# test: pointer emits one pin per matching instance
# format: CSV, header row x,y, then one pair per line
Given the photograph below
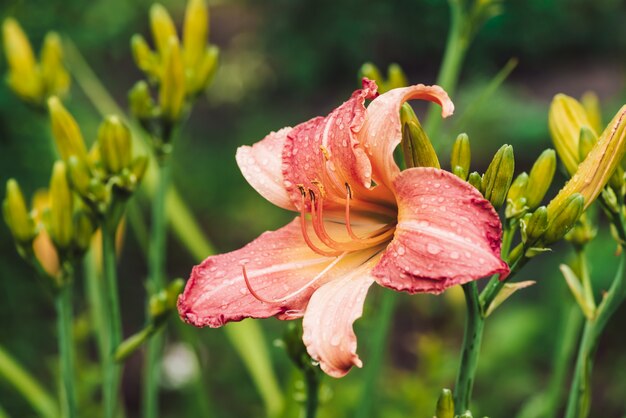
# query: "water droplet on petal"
x,y
433,249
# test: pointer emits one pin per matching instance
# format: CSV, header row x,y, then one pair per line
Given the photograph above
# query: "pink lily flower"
x,y
361,221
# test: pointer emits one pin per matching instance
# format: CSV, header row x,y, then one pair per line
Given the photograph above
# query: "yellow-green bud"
x,y
596,170
164,302
145,59
80,175
563,217
114,143
610,199
141,103
516,199
565,119
16,215
396,77
582,232
461,156
172,88
55,77
534,225
66,132
162,27
84,228
498,177
138,167
60,223
195,32
586,141
445,405
540,178
23,77
372,72
591,104
476,180
202,75
418,150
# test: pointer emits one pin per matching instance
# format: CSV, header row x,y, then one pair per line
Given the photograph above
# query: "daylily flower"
x,y
362,220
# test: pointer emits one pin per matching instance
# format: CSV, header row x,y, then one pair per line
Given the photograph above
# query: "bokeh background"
x,y
284,61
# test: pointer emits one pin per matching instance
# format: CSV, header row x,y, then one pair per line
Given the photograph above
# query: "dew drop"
x,y
401,250
454,255
433,249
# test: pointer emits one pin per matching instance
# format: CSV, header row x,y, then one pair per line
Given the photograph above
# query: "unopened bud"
x,y
586,141
141,103
43,247
84,228
396,77
203,74
80,175
371,71
114,143
195,32
23,76
563,217
172,87
582,232
145,59
16,214
461,156
534,225
419,151
566,118
66,132
591,104
498,177
138,167
55,77
610,199
540,178
445,404
476,180
164,302
162,27
516,200
60,224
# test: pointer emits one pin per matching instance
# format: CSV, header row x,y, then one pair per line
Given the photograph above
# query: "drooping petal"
x,y
278,265
261,165
447,234
327,323
381,132
324,151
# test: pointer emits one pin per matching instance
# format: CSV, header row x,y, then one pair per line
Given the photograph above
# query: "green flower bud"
x,y
476,180
461,156
565,119
591,104
610,199
114,143
202,75
55,77
498,177
516,200
16,214
164,302
418,150
162,27
582,232
60,222
66,132
195,32
79,174
23,77
445,404
534,225
138,167
586,141
396,77
562,218
372,72
84,228
172,88
146,60
141,103
540,178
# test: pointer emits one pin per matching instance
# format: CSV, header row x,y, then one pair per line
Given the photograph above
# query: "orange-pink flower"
x,y
361,221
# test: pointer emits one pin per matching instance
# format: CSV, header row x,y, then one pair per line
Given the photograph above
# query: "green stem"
x,y
456,47
94,288
374,365
27,385
112,370
63,303
156,270
312,383
472,338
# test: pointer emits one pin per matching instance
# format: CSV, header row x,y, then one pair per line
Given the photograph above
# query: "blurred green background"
x,y
284,61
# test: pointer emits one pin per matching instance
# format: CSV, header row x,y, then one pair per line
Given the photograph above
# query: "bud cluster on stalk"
x,y
32,80
181,70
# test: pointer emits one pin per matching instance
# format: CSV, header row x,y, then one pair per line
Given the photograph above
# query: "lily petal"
x,y
324,151
447,234
382,131
327,323
261,165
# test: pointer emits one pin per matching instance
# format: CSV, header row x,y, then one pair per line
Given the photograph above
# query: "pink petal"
x,y
381,132
447,234
261,165
304,162
327,323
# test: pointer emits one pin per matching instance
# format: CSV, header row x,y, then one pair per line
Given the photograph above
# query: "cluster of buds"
x,y
31,80
58,229
107,174
395,76
494,184
181,72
